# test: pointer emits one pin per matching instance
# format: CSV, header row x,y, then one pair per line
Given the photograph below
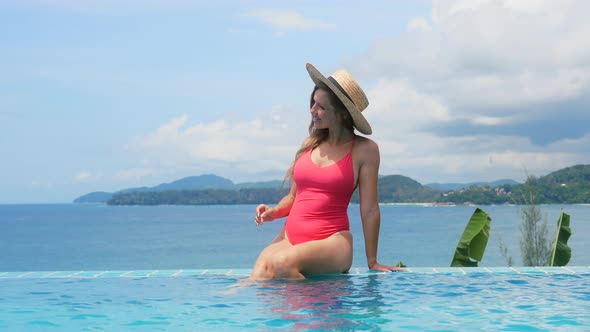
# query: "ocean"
x,y
64,237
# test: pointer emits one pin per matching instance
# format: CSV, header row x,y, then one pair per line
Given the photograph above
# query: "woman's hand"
x,y
264,213
385,268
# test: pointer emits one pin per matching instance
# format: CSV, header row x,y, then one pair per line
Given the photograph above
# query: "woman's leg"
x,y
283,260
263,268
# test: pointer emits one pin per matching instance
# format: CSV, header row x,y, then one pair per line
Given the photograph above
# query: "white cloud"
x,y
419,24
579,146
430,158
82,176
250,147
492,52
534,162
397,107
490,120
503,89
283,20
495,65
444,8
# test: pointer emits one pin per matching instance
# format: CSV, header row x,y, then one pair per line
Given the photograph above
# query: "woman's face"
x,y
323,113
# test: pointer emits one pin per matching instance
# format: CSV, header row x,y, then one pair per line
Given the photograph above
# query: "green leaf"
x,y
474,240
561,251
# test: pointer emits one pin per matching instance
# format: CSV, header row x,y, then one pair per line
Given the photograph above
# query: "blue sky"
x,y
106,95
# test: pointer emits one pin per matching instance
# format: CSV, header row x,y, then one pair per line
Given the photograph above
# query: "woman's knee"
x,y
284,265
280,265
263,269
283,261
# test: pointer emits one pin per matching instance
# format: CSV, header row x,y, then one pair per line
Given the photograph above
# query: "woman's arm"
x,y
265,213
369,202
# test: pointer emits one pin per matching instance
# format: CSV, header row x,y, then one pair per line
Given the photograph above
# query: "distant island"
x,y
201,185
570,185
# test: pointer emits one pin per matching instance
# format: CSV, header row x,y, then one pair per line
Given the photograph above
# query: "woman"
x,y
331,163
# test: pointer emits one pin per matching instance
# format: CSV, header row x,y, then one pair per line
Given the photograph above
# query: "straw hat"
x,y
348,91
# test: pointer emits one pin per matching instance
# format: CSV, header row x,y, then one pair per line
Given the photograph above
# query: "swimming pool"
x,y
448,299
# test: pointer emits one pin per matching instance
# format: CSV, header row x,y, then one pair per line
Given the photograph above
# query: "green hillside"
x,y
199,197
570,185
94,197
402,189
192,183
392,189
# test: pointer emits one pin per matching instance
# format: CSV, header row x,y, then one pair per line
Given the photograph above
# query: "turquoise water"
x,y
217,300
98,268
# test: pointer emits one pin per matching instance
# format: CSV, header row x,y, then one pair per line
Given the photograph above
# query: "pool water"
x,y
425,299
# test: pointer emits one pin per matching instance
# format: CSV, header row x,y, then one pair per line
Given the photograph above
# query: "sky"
x,y
103,95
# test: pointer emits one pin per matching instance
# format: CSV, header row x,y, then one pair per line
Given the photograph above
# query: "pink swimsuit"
x,y
322,198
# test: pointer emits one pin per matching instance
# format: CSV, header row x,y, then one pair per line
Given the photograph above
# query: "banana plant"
x,y
561,251
474,240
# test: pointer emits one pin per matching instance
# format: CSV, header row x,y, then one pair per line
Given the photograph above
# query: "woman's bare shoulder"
x,y
366,150
366,144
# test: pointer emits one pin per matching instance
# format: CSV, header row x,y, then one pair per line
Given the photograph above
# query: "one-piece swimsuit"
x,y
321,200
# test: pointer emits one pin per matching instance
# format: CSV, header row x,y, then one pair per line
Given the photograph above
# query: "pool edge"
x,y
246,272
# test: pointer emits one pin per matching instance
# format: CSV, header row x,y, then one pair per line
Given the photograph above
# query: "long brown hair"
x,y
317,136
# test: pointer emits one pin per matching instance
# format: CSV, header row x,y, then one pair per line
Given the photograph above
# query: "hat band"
x,y
331,79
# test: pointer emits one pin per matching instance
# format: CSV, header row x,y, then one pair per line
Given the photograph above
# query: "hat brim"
x,y
360,123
